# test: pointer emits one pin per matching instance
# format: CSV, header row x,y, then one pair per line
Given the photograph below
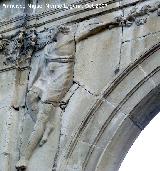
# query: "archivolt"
x,y
106,93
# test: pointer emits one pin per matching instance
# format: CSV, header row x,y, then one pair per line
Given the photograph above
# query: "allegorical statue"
x,y
52,81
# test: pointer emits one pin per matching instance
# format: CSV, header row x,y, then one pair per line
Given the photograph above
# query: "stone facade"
x,y
79,80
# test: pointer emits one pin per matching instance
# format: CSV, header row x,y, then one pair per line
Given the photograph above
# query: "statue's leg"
x,y
48,130
39,128
32,100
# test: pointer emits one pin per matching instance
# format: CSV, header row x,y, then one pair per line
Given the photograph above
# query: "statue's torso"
x,y
57,74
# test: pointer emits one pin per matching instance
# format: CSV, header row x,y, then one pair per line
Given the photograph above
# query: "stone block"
x,y
97,58
137,96
102,140
8,138
132,50
97,121
77,158
147,108
6,88
151,63
77,109
124,87
116,150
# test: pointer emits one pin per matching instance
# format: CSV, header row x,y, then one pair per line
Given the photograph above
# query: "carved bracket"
x,y
139,17
18,47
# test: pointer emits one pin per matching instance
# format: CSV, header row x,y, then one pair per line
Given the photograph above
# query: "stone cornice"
x,y
50,12
61,14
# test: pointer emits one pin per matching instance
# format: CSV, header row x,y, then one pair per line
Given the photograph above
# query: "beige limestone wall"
x,y
116,68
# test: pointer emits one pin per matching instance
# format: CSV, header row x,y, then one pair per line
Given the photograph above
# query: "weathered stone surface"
x,y
122,90
151,25
93,128
78,85
132,50
116,150
151,63
11,11
76,111
6,88
141,115
137,96
96,60
9,137
101,140
47,153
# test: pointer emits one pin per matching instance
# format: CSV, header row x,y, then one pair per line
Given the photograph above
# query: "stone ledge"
x,y
62,14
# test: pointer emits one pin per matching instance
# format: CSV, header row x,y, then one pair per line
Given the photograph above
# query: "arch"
x,y
118,116
129,130
140,105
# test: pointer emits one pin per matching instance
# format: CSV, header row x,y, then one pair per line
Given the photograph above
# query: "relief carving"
x,y
53,79
55,75
139,17
18,48
3,43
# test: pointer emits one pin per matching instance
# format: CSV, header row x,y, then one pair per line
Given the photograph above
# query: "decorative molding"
x,y
105,94
13,68
138,16
50,12
18,48
113,114
36,17
135,16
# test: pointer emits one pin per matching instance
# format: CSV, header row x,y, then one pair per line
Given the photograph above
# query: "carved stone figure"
x,y
140,21
18,48
38,79
55,75
52,81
